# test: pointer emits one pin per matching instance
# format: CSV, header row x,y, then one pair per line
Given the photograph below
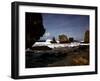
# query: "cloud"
x,y
47,34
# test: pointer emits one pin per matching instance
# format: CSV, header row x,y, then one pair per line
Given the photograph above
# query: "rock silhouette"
x,y
86,37
34,28
53,40
63,39
71,39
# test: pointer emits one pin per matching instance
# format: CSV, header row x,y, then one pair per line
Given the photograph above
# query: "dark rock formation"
x,y
53,40
86,37
41,48
71,39
34,28
63,39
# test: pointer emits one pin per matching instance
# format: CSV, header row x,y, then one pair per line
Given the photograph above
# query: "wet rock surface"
x,y
58,57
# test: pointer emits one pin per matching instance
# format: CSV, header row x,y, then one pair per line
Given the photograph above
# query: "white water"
x,y
56,45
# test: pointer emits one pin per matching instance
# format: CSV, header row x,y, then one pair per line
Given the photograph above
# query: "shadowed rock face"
x,y
63,38
86,37
34,28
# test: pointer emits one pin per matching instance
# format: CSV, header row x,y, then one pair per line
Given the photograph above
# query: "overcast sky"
x,y
70,25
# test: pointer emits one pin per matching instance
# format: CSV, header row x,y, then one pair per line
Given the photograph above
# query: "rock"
x,y
86,37
53,40
80,61
63,39
41,48
34,28
71,39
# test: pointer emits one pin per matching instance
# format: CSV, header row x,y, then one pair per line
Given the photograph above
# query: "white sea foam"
x,y
56,45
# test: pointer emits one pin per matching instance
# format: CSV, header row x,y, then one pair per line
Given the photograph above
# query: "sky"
x,y
70,25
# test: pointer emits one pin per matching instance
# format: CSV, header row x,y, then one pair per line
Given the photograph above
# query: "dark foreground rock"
x,y
33,27
41,48
58,57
